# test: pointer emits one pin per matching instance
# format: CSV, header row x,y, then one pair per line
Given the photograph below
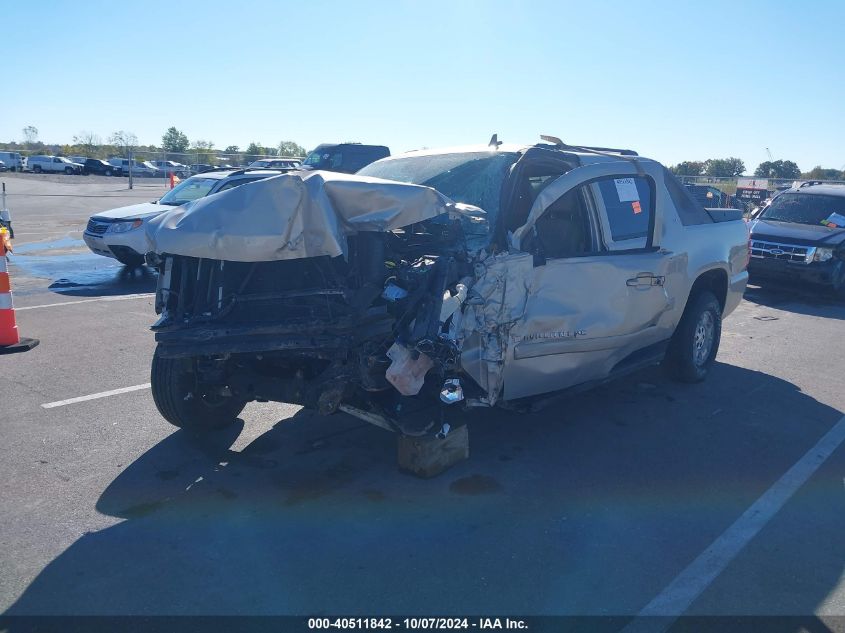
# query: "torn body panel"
x,y
495,303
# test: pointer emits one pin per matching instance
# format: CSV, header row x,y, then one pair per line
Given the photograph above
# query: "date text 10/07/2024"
x,y
482,624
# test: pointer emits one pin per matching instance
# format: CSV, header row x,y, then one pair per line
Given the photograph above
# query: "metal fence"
x,y
159,165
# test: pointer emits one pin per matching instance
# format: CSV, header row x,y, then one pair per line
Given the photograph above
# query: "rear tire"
x,y
180,402
37,169
694,345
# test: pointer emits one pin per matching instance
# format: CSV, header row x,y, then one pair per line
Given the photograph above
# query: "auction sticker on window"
x,y
626,189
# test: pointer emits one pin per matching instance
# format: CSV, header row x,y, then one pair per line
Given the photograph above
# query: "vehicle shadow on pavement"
x,y
797,298
590,508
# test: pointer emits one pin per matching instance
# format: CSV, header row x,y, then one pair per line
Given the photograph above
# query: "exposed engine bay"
x,y
375,331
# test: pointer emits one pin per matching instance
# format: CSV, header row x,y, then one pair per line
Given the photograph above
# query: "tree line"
x,y
122,142
733,167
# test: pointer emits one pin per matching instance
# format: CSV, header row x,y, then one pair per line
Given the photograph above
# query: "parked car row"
x,y
339,157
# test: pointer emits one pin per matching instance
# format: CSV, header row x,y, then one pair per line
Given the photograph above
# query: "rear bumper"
x,y
816,273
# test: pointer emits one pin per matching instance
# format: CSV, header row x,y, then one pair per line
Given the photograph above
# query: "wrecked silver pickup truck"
x,y
437,280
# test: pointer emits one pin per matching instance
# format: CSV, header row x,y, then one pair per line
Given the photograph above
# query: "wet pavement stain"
x,y
64,244
475,485
74,270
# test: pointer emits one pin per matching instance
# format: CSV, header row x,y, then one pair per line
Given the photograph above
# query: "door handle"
x,y
646,280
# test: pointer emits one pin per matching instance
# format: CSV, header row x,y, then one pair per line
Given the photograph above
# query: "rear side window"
x,y
236,183
628,207
689,209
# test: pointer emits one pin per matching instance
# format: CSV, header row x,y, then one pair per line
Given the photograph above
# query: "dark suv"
x,y
346,158
800,236
100,168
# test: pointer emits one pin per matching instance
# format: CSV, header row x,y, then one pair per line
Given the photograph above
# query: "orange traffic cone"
x,y
10,340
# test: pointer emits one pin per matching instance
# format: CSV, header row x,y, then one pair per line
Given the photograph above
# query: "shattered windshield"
x,y
470,177
802,208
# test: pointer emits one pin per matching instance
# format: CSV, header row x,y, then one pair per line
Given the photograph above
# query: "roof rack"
x,y
556,141
238,171
810,183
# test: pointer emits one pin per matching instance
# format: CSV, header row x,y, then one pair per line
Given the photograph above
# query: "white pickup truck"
x,y
475,276
53,164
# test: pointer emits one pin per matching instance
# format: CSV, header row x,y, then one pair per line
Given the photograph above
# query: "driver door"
x,y
597,291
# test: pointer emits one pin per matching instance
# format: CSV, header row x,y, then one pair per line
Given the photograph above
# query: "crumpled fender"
x,y
494,304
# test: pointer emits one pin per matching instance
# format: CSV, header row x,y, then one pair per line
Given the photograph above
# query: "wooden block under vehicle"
x,y
429,456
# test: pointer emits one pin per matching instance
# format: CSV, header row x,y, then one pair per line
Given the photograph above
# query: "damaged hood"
x,y
296,215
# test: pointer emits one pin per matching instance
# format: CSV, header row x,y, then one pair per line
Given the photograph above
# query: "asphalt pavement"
x,y
641,496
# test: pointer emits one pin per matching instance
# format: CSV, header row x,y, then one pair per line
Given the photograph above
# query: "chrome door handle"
x,y
646,280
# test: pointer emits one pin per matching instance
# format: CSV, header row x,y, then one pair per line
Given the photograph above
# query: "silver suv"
x,y
119,233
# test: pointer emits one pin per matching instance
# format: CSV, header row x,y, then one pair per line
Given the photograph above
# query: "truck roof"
x,y
823,189
585,156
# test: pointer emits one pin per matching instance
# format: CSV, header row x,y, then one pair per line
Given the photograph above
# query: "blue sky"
x,y
674,80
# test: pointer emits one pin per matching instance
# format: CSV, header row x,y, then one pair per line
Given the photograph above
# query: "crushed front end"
x,y
373,331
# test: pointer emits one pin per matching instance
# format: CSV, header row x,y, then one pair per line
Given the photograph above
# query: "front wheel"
x,y
37,169
695,343
181,399
107,172
69,171
133,261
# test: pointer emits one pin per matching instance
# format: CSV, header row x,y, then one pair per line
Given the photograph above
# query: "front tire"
x,y
179,398
694,345
133,261
37,169
69,171
107,172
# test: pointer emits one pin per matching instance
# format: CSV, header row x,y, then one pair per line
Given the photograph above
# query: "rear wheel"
x,y
181,400
37,169
695,343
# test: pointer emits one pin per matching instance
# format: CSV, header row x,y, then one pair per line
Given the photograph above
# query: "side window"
x,y
236,183
626,208
337,159
689,209
564,229
57,160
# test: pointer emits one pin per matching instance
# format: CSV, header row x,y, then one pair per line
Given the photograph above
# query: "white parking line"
x,y
70,303
95,396
677,597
